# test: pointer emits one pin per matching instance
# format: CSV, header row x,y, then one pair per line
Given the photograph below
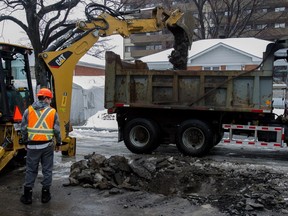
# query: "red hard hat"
x,y
45,92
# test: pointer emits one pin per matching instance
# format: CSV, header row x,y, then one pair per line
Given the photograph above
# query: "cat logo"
x,y
58,61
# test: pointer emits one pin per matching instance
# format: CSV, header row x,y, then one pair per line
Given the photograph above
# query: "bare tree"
x,y
44,22
229,18
40,30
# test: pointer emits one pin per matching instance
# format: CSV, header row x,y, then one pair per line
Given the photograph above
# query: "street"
x,y
87,201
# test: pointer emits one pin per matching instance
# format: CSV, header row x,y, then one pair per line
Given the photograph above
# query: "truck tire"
x,y
217,137
194,138
141,136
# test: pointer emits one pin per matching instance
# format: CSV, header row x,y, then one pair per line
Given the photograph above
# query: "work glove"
x,y
23,142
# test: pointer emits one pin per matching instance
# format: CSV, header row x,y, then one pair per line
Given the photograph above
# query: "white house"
x,y
216,54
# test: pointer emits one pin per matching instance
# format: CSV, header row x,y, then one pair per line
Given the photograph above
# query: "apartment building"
x,y
269,21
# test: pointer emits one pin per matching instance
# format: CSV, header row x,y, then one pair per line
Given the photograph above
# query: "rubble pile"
x,y
234,188
99,172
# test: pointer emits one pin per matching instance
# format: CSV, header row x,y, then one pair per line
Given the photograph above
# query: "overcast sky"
x,y
12,33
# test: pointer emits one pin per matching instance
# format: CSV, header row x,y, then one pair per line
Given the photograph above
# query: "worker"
x,y
39,126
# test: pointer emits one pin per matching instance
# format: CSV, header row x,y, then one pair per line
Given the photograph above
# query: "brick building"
x,y
90,66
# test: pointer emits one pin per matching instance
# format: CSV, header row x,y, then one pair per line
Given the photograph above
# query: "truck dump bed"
x,y
134,85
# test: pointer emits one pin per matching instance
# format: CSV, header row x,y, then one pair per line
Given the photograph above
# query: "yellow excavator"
x,y
61,58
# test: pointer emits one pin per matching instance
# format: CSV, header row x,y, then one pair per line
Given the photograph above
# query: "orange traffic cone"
x,y
17,114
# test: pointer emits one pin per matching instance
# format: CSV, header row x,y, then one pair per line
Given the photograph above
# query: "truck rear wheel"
x,y
194,138
141,136
217,137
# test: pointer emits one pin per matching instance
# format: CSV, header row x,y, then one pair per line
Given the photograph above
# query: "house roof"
x,y
91,61
249,46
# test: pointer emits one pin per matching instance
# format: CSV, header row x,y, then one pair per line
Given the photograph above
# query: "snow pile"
x,y
88,82
102,120
278,111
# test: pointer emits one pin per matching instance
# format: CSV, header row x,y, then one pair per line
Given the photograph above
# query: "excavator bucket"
x,y
182,30
186,22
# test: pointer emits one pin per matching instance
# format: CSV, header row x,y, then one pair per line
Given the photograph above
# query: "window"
x,y
248,27
131,48
279,25
211,68
158,47
127,49
154,47
264,10
261,26
150,47
216,68
154,33
279,9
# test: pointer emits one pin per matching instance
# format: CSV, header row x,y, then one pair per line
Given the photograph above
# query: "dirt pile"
x,y
236,189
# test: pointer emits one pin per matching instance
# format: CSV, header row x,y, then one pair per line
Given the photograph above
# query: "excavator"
x,y
60,59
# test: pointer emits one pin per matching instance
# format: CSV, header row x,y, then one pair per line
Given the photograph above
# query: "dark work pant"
x,y
34,157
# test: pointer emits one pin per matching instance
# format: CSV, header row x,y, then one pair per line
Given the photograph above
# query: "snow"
x,y
88,82
252,46
278,111
92,60
102,120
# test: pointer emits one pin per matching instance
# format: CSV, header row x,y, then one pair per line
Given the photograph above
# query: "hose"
x,y
91,8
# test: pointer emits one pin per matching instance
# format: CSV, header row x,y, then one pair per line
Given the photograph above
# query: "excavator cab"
x,y
16,94
15,82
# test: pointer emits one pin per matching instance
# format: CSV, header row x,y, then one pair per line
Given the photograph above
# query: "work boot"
x,y
46,196
26,198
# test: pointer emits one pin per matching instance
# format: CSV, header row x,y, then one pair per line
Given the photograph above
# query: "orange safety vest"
x,y
40,124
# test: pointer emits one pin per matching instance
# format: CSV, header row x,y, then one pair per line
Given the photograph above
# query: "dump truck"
x,y
61,57
193,109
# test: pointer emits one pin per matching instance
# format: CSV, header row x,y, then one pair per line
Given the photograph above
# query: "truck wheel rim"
x,y
139,136
193,138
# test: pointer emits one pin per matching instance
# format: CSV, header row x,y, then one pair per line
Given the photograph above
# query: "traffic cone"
x,y
17,114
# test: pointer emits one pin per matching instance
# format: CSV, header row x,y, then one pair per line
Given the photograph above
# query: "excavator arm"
x,y
62,56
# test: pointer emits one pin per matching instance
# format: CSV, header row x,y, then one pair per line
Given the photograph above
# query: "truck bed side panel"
x,y
135,85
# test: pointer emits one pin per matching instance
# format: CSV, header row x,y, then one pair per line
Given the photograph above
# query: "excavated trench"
x,y
233,188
